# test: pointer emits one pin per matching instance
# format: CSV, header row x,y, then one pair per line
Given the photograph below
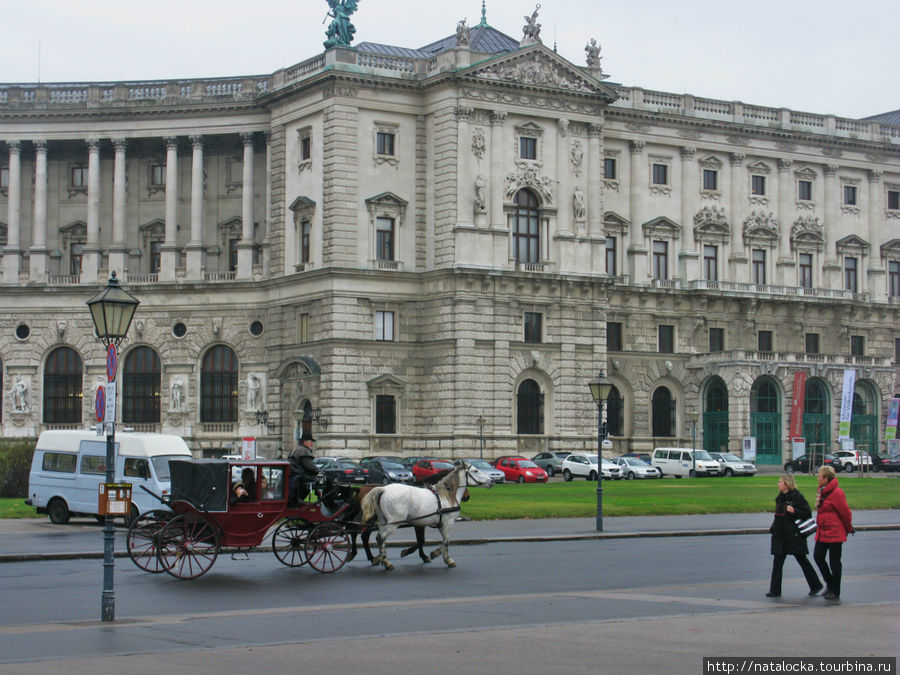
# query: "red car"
x,y
521,470
428,467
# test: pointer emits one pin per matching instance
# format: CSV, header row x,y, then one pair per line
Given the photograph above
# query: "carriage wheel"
x,y
188,546
328,548
142,540
289,542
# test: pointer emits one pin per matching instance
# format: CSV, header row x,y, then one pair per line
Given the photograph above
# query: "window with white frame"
x,y
758,185
660,260
805,270
303,209
710,180
710,262
158,175
386,143
850,195
384,325
4,177
304,148
529,143
893,199
851,268
660,174
386,213
758,264
610,168
384,239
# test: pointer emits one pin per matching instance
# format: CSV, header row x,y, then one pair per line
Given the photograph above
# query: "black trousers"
x,y
830,574
805,565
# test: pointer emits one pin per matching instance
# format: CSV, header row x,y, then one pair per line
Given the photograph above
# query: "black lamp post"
x,y
112,311
692,414
480,422
600,388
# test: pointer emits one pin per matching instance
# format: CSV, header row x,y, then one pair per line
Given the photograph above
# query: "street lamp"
x,y
600,388
262,417
480,422
111,311
692,415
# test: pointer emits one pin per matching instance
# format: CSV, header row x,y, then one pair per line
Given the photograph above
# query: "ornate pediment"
x,y
530,177
711,224
388,204
537,66
805,174
154,228
386,384
613,223
662,228
851,244
759,168
761,227
890,250
807,232
710,162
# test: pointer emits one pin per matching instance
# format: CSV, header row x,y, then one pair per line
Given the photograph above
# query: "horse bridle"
x,y
477,482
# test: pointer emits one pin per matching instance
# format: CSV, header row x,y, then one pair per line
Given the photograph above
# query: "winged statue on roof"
x,y
340,32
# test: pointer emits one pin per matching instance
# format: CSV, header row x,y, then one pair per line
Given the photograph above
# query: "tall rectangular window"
x,y
660,174
385,414
533,328
666,339
850,279
857,345
804,190
384,143
609,168
76,253
711,263
233,254
660,260
710,179
764,341
759,266
79,178
893,200
155,253
758,185
384,238
158,175
896,350
812,343
805,270
384,325
717,339
4,176
611,256
304,242
527,147
303,328
850,195
894,278
613,336
305,148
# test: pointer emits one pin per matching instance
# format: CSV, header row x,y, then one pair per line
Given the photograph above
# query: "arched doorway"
x,y
817,417
864,421
63,390
140,387
615,413
765,420
219,385
715,416
529,408
663,413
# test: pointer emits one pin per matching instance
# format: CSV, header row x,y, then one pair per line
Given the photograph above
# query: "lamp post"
x,y
692,415
111,311
600,388
480,422
262,418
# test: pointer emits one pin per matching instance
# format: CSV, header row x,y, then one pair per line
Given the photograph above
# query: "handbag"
x,y
806,527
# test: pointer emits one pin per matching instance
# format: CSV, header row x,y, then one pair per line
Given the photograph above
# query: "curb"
x,y
471,541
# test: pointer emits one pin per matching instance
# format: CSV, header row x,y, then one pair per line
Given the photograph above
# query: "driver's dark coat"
x,y
786,538
301,459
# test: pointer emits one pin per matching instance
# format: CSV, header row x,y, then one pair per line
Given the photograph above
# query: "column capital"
x,y
171,142
736,158
464,113
247,137
595,128
119,144
636,146
40,145
874,175
93,144
498,117
15,147
687,152
196,142
830,169
785,165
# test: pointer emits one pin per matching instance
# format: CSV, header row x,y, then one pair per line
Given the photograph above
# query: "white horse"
x,y
396,504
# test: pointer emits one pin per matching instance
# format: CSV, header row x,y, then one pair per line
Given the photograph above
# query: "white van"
x,y
680,462
69,465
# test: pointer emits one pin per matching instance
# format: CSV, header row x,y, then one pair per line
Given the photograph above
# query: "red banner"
x,y
797,404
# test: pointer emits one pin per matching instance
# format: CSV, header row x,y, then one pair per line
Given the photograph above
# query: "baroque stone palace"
x,y
431,251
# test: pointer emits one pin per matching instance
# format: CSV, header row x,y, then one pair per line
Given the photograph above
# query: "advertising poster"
x,y
890,431
748,445
248,449
847,403
798,447
797,403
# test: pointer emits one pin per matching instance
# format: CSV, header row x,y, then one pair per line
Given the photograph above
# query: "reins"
x,y
439,512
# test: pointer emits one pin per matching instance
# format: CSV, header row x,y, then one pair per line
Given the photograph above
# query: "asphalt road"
x,y
614,605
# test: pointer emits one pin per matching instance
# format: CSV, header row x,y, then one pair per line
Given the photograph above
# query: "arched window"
x,y
864,422
815,399
219,385
63,389
530,409
715,416
765,420
816,417
140,387
663,412
526,228
615,413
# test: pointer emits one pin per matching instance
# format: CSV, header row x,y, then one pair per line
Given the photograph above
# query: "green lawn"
x,y
670,496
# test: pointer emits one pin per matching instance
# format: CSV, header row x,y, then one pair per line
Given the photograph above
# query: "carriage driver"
x,y
303,471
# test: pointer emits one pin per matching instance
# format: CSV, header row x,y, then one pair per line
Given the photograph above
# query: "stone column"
x,y
12,255
785,206
595,184
118,250
689,191
875,272
833,266
168,252
267,209
465,191
497,179
90,261
636,251
194,248
37,254
245,246
736,201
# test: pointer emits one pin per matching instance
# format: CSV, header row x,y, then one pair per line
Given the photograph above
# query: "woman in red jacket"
x,y
833,522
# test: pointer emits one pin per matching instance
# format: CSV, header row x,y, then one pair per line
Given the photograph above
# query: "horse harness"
x,y
439,512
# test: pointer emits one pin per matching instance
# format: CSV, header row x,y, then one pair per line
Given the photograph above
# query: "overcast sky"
x,y
821,56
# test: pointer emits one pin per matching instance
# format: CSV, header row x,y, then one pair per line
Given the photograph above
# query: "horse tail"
x,y
369,502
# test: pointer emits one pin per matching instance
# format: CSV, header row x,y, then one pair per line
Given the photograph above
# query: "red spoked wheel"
x,y
289,542
142,540
328,548
188,546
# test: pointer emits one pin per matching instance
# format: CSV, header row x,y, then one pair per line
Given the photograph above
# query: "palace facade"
x,y
434,250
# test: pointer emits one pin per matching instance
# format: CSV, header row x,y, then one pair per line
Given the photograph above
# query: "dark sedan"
x,y
385,471
801,464
342,471
885,463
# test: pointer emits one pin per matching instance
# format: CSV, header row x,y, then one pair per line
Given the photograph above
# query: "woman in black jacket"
x,y
786,538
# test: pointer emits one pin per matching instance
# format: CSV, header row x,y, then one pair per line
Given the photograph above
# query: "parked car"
x,y
428,467
680,462
646,456
521,470
732,465
410,462
341,470
850,459
583,465
364,462
634,467
551,462
385,471
497,476
885,463
801,464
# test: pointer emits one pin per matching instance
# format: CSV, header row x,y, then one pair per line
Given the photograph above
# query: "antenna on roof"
x,y
483,15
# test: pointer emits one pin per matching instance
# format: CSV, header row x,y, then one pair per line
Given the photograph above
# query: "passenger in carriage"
x,y
303,470
244,490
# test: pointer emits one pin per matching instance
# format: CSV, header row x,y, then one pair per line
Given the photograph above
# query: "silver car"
x,y
634,467
551,462
732,465
497,476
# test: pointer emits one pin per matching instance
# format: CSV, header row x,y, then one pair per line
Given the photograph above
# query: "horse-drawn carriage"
x,y
220,506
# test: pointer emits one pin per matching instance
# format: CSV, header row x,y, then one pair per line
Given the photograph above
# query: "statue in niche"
x,y
340,32
176,396
578,203
18,395
480,202
254,392
532,29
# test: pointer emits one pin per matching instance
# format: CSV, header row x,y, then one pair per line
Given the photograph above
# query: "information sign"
x,y
110,402
114,499
248,449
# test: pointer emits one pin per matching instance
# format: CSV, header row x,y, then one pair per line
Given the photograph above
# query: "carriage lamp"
x,y
111,311
600,388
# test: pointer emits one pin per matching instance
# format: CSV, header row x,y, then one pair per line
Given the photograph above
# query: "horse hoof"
x,y
435,554
426,560
450,563
388,566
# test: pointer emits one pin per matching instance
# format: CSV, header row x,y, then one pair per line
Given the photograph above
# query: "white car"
x,y
850,459
732,465
634,467
582,465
